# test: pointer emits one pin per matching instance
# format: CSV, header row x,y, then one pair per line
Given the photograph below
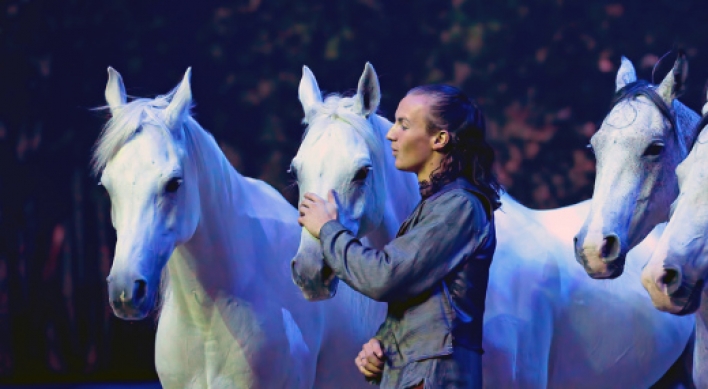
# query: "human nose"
x,y
390,133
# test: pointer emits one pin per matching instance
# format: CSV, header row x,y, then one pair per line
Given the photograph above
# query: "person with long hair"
x,y
434,274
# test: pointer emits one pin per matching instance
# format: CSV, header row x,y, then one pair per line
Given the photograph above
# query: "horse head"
x,y
142,160
638,146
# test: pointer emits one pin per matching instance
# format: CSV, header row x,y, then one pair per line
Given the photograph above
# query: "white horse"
x,y
547,325
647,133
344,148
676,274
645,136
231,316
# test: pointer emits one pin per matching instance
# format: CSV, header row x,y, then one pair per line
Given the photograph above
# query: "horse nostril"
x,y
671,278
610,248
139,290
293,267
326,272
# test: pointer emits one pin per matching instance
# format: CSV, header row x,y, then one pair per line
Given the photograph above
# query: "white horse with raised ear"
x,y
344,148
647,133
547,324
676,275
231,316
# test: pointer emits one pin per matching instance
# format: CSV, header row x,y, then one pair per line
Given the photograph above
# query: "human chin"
x,y
401,165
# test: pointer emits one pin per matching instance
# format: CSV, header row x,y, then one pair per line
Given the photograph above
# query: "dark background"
x,y
542,70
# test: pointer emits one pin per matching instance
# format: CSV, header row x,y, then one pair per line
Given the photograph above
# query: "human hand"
x,y
370,360
315,212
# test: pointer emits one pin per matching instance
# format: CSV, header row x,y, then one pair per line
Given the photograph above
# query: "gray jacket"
x,y
433,275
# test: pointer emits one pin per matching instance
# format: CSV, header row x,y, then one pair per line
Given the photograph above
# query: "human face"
x,y
411,143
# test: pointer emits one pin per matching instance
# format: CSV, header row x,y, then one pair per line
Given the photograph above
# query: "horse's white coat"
x,y
547,324
683,249
637,152
231,316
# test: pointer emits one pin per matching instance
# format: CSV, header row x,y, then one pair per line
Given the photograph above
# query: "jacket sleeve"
x,y
450,228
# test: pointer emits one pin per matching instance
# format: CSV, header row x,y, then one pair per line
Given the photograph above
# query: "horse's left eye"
x,y
654,149
173,184
362,173
293,172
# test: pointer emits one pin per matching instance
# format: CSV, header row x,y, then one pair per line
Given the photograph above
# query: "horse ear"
x,y
115,91
308,91
368,94
704,111
181,101
625,75
674,82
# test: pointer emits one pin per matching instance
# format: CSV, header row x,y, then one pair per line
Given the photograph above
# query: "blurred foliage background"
x,y
542,70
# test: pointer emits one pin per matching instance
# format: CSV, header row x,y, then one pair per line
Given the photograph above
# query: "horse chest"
x,y
233,346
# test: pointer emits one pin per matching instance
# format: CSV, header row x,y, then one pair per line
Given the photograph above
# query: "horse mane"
x,y
337,108
124,123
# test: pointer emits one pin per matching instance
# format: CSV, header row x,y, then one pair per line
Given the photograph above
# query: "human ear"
x,y
440,140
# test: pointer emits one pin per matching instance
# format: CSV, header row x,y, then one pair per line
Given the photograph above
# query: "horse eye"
x,y
362,173
589,147
654,149
173,184
293,172
103,190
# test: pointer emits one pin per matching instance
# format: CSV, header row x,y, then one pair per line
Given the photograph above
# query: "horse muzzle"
x,y
130,299
316,284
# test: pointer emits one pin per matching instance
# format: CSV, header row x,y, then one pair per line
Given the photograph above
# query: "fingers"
x,y
371,357
312,197
367,373
360,362
306,203
376,348
369,370
373,347
301,212
373,365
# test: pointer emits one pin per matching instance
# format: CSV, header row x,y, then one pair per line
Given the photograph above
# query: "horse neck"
x,y
219,257
700,352
512,206
686,121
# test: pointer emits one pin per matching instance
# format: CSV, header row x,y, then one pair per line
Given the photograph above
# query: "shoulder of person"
x,y
458,197
463,201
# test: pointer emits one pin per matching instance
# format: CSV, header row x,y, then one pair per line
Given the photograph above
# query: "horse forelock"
x,y
639,88
124,124
336,109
